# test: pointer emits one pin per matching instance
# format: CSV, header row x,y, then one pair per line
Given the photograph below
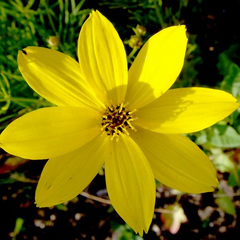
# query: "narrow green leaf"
x,y
226,204
18,227
234,178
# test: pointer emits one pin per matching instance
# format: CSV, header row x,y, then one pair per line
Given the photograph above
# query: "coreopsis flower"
x,y
128,121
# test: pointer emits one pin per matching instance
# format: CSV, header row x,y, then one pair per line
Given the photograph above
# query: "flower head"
x,y
128,120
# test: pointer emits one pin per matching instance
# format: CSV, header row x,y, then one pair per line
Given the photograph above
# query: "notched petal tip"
x,y
37,205
157,65
94,14
121,168
211,186
102,58
214,187
182,30
141,230
181,26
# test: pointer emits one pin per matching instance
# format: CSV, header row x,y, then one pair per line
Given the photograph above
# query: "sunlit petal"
x,y
66,176
50,132
177,162
56,77
130,183
103,59
186,110
157,66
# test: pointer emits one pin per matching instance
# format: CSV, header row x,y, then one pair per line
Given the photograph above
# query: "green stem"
x,y
132,53
159,15
15,99
49,17
25,100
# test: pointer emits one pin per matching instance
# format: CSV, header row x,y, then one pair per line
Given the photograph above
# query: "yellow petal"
x,y
103,59
157,66
56,77
130,183
64,177
50,132
186,110
177,162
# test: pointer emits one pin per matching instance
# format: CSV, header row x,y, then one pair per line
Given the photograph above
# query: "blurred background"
x,y
212,60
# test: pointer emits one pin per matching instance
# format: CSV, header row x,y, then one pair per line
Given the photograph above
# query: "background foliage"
x,y
212,60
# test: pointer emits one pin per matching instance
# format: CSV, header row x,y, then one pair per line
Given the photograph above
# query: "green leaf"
x,y
223,63
231,81
123,232
201,138
234,178
230,71
221,161
18,228
62,207
224,136
225,59
226,204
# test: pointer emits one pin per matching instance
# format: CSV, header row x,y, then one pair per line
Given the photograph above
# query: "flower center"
x,y
117,120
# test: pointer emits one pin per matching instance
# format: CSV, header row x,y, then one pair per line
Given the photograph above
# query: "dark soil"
x,y
84,218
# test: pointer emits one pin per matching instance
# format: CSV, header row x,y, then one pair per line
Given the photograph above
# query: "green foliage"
x,y
234,178
32,23
222,162
224,136
149,12
225,203
230,71
124,232
219,135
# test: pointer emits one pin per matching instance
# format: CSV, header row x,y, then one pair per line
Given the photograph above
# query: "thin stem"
x,y
131,54
95,198
159,15
16,99
106,201
49,17
162,210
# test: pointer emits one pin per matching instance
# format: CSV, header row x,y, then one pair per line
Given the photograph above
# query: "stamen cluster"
x,y
117,120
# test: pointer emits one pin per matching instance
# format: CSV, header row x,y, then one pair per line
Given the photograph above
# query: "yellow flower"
x,y
128,121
